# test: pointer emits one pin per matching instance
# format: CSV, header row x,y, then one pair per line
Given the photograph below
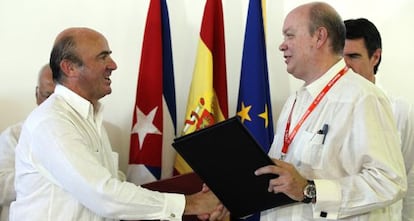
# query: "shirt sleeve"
x,y
371,160
8,142
404,114
73,164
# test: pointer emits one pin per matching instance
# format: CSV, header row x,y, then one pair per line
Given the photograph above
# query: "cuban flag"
x,y
154,120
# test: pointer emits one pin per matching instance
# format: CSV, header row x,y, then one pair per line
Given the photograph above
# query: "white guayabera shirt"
x,y
66,169
358,170
404,116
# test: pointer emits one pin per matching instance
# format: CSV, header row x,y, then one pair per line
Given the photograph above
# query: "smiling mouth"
x,y
287,58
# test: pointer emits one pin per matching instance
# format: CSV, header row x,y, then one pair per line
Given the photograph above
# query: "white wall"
x,y
28,29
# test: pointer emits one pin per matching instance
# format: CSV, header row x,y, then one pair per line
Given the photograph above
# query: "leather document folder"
x,y
225,156
186,184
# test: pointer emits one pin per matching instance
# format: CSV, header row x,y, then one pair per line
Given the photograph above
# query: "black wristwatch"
x,y
309,192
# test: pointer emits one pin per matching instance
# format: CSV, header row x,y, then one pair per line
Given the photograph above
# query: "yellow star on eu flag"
x,y
244,112
265,116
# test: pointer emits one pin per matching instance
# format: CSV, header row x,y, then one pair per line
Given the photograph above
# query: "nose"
x,y
111,64
347,61
282,46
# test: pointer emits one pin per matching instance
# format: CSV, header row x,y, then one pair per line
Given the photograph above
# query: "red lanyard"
x,y
288,138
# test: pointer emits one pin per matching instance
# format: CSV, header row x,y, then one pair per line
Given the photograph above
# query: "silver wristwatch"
x,y
309,192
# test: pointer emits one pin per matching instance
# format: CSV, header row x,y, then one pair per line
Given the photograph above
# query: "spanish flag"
x,y
207,102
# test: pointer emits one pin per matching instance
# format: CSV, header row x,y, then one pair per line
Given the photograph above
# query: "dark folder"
x,y
186,184
225,156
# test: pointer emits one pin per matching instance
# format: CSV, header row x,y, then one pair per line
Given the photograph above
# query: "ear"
x,y
321,36
376,56
67,67
37,94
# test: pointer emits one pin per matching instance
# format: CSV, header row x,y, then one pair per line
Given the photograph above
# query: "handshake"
x,y
205,205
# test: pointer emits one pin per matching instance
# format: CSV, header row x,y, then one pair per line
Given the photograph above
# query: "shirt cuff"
x,y
174,206
328,199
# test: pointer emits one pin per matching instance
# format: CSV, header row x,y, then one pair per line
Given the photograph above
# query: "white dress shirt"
x,y
8,142
404,116
358,170
66,169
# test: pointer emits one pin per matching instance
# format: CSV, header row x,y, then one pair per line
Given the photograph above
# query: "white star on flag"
x,y
144,125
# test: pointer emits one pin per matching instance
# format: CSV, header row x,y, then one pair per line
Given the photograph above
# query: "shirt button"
x,y
172,215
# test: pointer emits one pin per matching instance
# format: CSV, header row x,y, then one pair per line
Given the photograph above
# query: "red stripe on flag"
x,y
212,34
207,101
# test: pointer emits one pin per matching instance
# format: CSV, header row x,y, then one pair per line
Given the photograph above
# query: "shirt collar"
x,y
315,87
78,103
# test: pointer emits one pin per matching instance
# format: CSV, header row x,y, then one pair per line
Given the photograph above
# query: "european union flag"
x,y
253,106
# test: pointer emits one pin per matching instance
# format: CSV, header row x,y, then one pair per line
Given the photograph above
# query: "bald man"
x,y
45,84
78,177
336,147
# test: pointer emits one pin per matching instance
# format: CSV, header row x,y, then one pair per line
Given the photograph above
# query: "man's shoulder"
x,y
401,107
400,102
10,135
52,109
13,129
355,84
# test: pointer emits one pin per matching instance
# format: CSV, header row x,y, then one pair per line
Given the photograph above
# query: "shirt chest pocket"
x,y
309,149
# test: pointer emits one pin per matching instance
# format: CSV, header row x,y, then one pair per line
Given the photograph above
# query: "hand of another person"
x,y
289,182
219,213
201,204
